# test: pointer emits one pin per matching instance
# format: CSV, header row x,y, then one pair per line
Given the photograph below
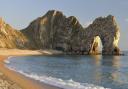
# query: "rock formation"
x,y
108,31
11,38
56,31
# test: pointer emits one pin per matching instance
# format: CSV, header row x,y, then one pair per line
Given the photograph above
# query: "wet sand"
x,y
12,80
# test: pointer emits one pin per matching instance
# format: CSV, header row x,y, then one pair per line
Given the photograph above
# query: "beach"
x,y
12,80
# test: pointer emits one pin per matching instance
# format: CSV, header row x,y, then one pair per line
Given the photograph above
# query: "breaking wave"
x,y
65,84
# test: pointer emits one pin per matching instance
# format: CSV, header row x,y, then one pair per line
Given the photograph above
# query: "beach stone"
x,y
6,83
14,86
1,73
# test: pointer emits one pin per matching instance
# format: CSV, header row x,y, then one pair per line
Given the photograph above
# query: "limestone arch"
x,y
108,31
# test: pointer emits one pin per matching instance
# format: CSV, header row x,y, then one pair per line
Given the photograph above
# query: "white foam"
x,y
6,61
10,57
65,84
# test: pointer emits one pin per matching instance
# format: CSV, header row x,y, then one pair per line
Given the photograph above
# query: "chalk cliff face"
x,y
56,31
9,37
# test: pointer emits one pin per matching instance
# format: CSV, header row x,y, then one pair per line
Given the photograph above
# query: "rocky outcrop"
x,y
108,31
56,31
11,38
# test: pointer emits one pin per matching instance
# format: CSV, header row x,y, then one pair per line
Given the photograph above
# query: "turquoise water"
x,y
74,72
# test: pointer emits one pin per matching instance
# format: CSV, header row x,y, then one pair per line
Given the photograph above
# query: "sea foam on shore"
x,y
65,84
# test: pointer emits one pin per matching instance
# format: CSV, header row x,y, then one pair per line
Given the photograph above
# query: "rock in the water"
x,y
108,31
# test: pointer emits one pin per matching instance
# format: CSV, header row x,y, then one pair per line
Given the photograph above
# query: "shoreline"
x,y
18,80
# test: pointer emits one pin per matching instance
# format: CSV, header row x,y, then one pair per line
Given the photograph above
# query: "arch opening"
x,y
96,47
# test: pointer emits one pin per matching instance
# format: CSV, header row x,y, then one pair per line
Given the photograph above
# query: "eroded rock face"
x,y
108,31
56,31
11,38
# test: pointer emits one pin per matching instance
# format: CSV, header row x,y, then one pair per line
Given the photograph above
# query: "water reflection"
x,y
110,70
96,70
112,61
97,59
106,71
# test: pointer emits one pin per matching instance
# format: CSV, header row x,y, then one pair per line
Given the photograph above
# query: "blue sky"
x,y
19,13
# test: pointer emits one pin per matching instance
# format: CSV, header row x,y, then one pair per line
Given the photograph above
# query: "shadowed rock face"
x,y
54,31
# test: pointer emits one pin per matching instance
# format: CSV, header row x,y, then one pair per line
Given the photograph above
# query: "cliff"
x,y
11,38
56,31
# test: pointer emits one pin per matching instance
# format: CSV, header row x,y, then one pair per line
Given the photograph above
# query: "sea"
x,y
74,71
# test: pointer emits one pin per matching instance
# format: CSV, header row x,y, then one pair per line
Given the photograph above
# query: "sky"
x,y
19,13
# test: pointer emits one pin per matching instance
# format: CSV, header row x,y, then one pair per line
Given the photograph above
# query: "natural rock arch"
x,y
56,31
108,31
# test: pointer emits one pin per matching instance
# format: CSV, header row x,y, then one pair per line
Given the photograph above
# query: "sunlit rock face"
x,y
11,38
95,46
108,31
56,31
